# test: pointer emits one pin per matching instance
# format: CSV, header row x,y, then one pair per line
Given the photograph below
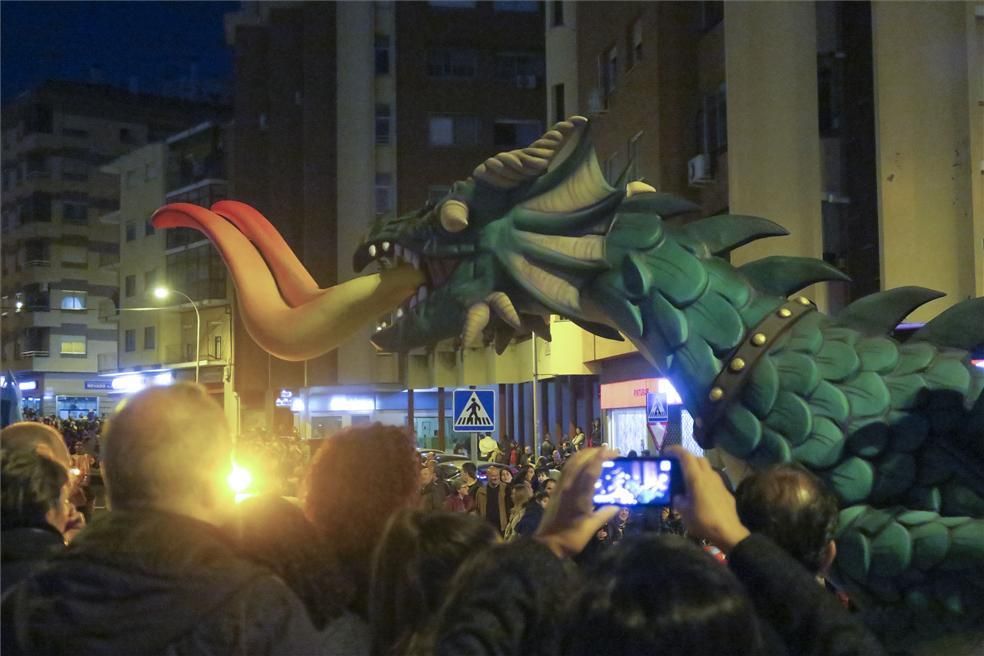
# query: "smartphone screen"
x,y
638,482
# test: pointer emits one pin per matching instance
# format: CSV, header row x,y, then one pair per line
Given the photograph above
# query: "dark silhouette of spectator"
x,y
533,514
349,502
432,490
273,532
35,512
416,559
491,501
469,474
157,575
794,508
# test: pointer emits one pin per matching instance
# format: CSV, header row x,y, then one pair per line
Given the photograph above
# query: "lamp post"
x,y
162,293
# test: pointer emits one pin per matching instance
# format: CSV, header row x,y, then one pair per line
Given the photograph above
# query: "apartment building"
x,y
188,334
349,111
58,258
824,117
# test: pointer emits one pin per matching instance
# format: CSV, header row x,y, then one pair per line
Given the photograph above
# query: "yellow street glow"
x,y
161,292
239,479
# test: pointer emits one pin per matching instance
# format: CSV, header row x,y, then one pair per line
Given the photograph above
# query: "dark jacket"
x,y
531,519
25,550
510,605
154,583
432,496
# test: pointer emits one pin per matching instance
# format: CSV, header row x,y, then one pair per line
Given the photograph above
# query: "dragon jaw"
x,y
496,252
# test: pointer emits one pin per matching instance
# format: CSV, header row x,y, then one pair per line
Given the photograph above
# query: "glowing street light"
x,y
162,293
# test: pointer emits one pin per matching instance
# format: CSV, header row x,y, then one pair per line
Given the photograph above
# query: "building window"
x,y
199,272
509,133
633,55
523,68
126,136
521,6
73,346
608,70
452,62
560,112
633,172
150,338
150,279
74,256
557,13
383,122
130,340
384,193
75,213
217,347
712,123
453,130
436,193
130,286
73,301
382,54
131,230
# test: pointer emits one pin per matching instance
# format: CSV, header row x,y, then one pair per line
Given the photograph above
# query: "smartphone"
x,y
639,482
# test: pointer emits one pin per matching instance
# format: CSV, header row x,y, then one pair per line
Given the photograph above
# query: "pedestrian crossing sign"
x,y
656,408
474,410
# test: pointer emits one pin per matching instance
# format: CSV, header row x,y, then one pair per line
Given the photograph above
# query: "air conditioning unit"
x,y
525,81
699,171
596,102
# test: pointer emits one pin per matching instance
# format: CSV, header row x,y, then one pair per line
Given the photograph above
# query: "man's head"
x,y
470,470
169,448
794,508
493,476
550,486
34,436
462,488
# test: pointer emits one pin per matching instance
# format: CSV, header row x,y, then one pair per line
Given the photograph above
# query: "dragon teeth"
x,y
421,294
397,250
372,250
399,313
385,246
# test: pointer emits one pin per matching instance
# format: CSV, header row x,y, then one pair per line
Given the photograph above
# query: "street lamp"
x,y
162,293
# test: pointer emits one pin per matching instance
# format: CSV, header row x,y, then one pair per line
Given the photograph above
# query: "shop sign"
x,y
99,384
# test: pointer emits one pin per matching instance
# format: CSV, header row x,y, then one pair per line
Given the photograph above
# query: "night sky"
x,y
155,41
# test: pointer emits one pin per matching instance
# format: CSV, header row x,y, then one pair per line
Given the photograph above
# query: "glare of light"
x,y
75,471
341,402
664,386
297,405
978,363
19,305
166,378
239,479
129,384
161,292
24,386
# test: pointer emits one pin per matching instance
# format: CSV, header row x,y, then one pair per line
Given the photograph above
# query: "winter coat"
x,y
25,550
150,583
481,503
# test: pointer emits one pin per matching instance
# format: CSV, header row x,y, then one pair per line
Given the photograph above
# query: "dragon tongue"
x,y
475,322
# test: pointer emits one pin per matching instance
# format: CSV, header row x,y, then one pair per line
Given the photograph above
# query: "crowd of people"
x,y
506,451
378,557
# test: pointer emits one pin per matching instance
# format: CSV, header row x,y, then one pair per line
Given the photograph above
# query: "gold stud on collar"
x,y
758,339
716,394
736,365
785,313
802,300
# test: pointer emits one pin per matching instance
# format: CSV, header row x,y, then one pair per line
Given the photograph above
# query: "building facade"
x,y
823,117
59,259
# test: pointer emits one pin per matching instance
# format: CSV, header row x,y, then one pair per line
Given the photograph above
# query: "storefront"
x,y
627,427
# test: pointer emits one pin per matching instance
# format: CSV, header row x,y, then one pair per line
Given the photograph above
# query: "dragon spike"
x,y
879,313
637,276
782,275
638,187
454,215
538,325
727,232
504,309
961,326
475,322
511,169
599,329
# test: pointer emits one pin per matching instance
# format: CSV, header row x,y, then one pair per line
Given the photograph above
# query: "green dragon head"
x,y
517,241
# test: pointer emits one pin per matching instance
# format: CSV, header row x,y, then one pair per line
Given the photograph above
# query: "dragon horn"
x,y
292,333
295,283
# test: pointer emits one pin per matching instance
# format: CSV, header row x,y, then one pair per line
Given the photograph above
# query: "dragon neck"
x,y
686,313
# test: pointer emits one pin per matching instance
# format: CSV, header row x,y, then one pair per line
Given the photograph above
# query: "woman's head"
x,y
34,491
520,492
661,595
357,480
505,475
413,565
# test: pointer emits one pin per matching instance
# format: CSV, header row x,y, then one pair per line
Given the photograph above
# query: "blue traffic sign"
x,y
474,410
656,408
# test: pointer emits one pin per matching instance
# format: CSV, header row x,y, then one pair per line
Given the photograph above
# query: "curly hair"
x,y
358,479
31,486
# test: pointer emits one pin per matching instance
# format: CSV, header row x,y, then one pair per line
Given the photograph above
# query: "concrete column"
x,y
520,435
930,229
559,405
502,410
441,434
773,130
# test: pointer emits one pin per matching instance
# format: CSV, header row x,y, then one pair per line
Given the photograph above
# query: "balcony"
x,y
34,354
